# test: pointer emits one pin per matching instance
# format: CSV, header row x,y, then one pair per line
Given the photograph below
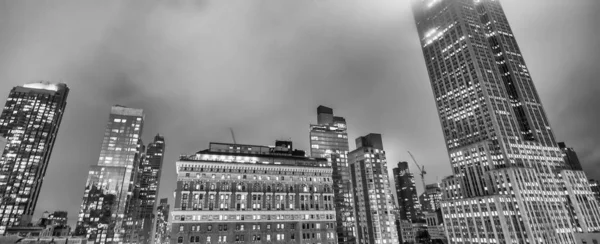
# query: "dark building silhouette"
x,y
29,121
373,198
406,193
502,150
570,156
329,139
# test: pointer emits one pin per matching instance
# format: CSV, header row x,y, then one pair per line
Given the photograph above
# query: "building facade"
x,y
508,170
232,193
161,230
595,189
58,218
431,199
329,139
570,156
374,203
105,215
149,183
29,122
406,193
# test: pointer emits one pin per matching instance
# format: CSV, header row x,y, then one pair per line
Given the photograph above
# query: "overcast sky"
x,y
198,68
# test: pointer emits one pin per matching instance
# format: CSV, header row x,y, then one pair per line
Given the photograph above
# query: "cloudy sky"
x,y
198,68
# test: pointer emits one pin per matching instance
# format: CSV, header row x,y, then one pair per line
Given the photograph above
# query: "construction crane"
x,y
232,135
421,169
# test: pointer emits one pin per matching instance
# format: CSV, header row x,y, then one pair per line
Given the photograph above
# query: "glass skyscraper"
x,y
329,139
29,123
510,182
106,214
373,198
149,183
406,193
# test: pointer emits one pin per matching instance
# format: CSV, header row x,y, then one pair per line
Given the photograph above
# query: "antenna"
x,y
232,135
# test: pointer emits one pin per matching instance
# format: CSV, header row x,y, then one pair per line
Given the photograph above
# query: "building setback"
x,y
510,183
406,193
329,139
431,199
161,231
107,211
372,193
149,183
29,123
233,193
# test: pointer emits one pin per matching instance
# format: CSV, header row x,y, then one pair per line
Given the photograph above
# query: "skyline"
x,y
400,132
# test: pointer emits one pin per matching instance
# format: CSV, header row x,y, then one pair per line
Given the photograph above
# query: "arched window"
x,y
197,238
268,188
198,185
279,187
212,186
186,186
180,239
191,238
291,188
256,187
305,188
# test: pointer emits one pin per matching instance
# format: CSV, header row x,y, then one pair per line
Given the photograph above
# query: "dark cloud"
x,y
262,67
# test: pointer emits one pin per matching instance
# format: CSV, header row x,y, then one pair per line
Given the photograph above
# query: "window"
x,y
208,239
181,229
180,239
209,228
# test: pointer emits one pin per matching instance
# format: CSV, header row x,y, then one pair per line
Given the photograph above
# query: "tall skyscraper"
x,y
329,139
149,183
161,233
105,214
406,193
233,193
374,203
509,182
29,122
570,156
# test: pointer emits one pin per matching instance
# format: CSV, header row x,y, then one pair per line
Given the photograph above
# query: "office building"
x,y
376,223
509,175
149,183
406,193
233,193
106,210
29,123
161,231
570,156
58,218
430,199
329,139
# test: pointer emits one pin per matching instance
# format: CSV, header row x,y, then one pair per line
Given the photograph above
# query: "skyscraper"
x,y
161,233
509,182
149,183
29,122
329,139
374,203
570,156
406,193
105,214
233,193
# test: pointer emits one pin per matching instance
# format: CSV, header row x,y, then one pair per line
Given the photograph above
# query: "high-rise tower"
x,y
373,198
329,139
149,183
509,182
105,214
29,122
406,193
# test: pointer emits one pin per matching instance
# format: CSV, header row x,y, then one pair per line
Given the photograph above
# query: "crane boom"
x,y
421,169
232,135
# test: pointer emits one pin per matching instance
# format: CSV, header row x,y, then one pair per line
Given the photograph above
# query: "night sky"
x,y
198,68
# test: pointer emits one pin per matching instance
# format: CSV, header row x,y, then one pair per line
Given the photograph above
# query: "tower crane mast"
x,y
421,169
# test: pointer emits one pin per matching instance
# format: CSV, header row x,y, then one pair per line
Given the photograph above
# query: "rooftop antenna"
x,y
232,135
